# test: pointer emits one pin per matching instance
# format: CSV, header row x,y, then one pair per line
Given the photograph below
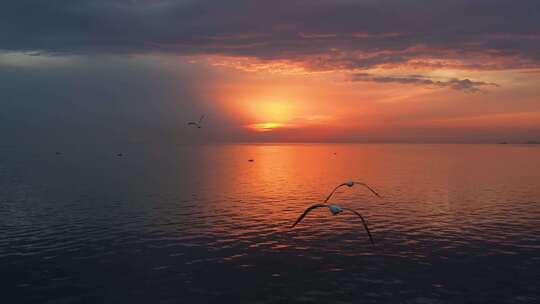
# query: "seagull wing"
x,y
191,123
201,119
332,193
363,222
306,212
367,186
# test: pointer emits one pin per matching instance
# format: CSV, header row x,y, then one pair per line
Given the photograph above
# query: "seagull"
x,y
197,124
335,210
350,184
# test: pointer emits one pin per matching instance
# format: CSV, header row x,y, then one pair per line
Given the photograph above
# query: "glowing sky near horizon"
x,y
449,71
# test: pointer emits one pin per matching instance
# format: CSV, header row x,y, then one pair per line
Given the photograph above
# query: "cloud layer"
x,y
318,35
466,85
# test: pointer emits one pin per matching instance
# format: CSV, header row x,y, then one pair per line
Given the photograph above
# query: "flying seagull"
x,y
196,124
335,210
350,184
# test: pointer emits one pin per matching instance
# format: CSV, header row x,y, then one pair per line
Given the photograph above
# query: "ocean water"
x,y
202,224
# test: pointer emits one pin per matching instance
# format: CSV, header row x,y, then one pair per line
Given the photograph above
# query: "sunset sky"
x,y
271,71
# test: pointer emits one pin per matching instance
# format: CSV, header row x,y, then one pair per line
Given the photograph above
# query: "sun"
x,y
269,111
265,127
269,115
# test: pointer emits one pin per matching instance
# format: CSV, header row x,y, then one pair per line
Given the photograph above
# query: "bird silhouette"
x,y
196,123
350,184
335,210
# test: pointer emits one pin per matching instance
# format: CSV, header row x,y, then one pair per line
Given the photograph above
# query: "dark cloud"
x,y
105,99
466,85
321,34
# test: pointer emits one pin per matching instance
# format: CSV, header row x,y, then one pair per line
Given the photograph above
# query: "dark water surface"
x,y
456,224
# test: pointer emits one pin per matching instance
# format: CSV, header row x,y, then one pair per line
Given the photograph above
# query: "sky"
x,y
270,71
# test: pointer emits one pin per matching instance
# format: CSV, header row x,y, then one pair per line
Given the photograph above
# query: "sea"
x,y
455,223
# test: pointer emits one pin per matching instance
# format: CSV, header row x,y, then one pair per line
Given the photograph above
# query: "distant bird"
x,y
196,124
350,184
335,210
250,160
119,154
58,153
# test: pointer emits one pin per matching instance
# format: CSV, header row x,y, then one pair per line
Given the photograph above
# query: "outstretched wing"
x,y
363,222
201,119
332,193
191,123
306,212
367,186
